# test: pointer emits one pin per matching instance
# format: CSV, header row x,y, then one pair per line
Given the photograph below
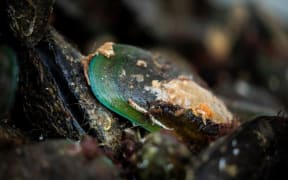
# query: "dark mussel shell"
x,y
257,150
54,97
8,79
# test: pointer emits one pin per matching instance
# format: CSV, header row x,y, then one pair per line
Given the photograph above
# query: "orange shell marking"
x,y
204,110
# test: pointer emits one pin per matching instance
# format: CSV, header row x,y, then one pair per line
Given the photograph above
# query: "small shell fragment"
x,y
106,49
138,77
141,63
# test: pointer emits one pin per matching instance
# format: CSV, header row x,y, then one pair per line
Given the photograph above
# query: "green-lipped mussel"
x,y
153,92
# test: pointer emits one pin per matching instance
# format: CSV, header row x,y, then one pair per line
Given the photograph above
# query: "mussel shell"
x,y
256,150
55,99
123,82
117,79
8,78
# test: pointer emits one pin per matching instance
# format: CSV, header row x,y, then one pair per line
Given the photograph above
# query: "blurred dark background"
x,y
239,48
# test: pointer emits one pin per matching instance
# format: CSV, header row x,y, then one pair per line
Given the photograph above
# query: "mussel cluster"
x,y
123,112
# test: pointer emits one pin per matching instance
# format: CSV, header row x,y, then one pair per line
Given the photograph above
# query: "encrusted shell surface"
x,y
155,92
